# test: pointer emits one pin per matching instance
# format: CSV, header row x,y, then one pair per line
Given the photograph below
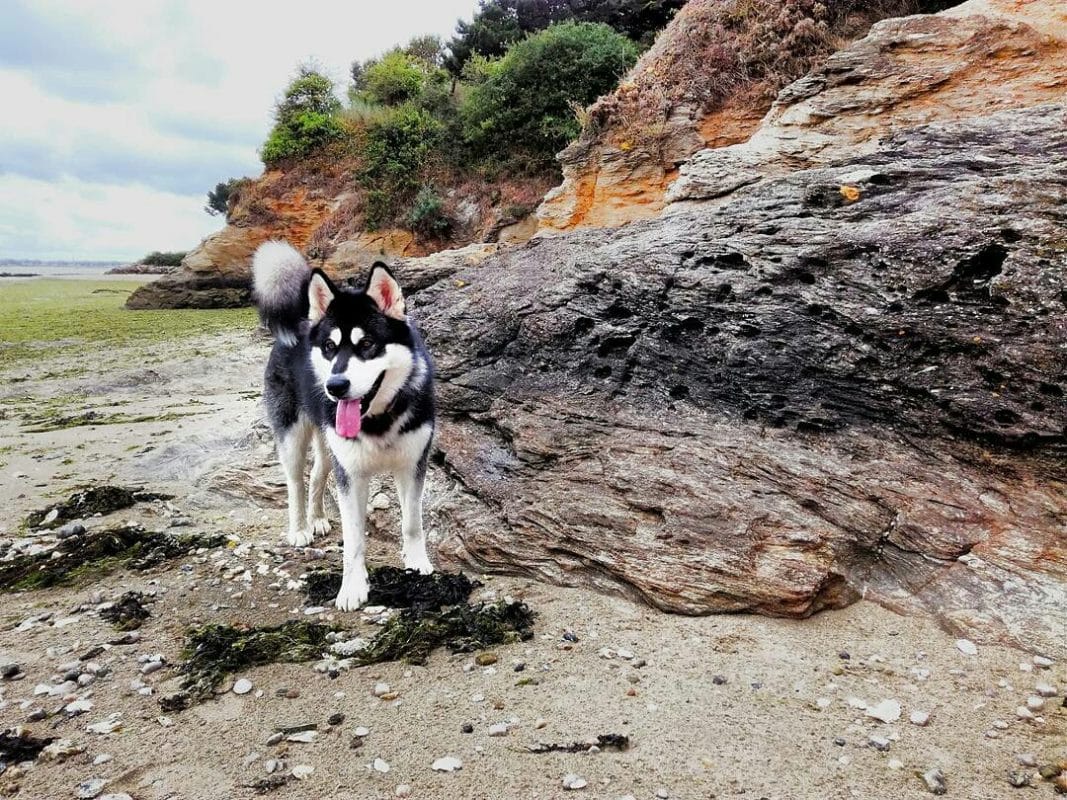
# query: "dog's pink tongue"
x,y
349,418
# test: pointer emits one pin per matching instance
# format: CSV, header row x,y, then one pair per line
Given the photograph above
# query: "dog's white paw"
x,y
352,597
420,563
319,526
299,538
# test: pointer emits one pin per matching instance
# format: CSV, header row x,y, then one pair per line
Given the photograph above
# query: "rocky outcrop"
x,y
313,206
706,82
837,372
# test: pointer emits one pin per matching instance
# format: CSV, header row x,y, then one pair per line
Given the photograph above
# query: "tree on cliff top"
x,y
304,119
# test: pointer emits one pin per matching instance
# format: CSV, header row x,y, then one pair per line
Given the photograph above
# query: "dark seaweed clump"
x,y
605,741
94,500
414,633
215,651
128,612
88,556
397,588
16,745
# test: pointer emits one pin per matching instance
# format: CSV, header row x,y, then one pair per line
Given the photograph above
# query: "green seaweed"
x,y
48,422
90,556
128,613
214,651
17,745
397,588
414,633
90,501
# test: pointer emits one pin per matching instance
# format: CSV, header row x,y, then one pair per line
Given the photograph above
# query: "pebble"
x,y
467,728
70,529
90,788
150,667
1026,759
485,659
447,764
78,707
1019,780
895,763
935,781
920,718
719,680
301,771
103,758
242,686
402,790
1043,662
1035,703
967,647
361,731
886,711
572,781
119,796
302,737
1046,690
381,765
1022,712
879,743
272,765
381,689
662,794
9,670
335,719
498,729
274,738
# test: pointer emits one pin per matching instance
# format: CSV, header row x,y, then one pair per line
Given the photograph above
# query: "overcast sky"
x,y
120,116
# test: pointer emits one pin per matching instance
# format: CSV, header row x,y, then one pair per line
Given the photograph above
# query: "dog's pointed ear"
x,y
320,294
383,289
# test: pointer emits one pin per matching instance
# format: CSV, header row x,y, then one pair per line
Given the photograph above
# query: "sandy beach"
x,y
856,703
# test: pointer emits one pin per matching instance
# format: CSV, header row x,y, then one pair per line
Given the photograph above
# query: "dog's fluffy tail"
x,y
280,278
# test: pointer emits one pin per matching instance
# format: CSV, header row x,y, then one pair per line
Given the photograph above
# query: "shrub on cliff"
x,y
395,150
218,199
427,216
163,259
524,106
394,79
305,118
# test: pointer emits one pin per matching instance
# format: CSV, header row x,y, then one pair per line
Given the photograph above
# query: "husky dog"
x,y
349,375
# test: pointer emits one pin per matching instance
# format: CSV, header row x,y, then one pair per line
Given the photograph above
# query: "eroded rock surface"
x,y
784,400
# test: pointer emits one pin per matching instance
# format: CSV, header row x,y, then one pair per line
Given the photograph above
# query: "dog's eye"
x,y
329,349
366,348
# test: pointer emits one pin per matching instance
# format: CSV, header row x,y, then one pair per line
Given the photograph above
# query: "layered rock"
x,y
838,372
706,82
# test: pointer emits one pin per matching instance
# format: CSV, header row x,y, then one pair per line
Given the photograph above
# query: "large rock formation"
x,y
837,369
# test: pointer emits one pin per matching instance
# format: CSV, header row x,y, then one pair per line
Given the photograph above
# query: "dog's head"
x,y
361,345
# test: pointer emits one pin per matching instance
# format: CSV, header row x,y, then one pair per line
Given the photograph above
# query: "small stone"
x,y
719,680
840,742
402,790
1026,759
380,501
895,763
302,737
844,655
78,707
934,779
886,711
1035,703
520,667
272,765
879,743
1043,662
381,688
242,686
90,788
662,794
301,771
447,764
485,659
920,718
498,729
1018,780
150,667
1046,690
572,782
335,719
390,696
275,738
9,670
1022,712
361,731
466,728
381,765
356,743
968,648
70,529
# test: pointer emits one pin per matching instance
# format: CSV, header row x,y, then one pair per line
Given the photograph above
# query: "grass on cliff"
x,y
45,319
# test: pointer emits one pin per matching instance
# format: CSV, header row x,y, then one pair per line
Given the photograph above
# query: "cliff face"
x,y
832,368
316,205
707,82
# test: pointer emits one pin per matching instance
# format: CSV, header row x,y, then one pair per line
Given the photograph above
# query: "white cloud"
x,y
120,119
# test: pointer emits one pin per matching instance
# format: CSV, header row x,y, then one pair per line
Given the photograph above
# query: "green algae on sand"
x,y
90,501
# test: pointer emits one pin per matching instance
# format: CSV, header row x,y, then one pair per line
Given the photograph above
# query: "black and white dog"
x,y
350,375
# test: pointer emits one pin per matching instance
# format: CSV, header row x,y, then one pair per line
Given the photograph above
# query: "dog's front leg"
x,y
409,485
352,499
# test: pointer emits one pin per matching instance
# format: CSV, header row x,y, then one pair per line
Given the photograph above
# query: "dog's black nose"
x,y
338,385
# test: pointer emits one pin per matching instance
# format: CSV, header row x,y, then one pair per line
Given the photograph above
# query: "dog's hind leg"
x,y
352,493
409,486
292,452
317,522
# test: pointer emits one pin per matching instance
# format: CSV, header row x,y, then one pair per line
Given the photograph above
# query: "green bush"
x,y
305,118
218,199
395,152
524,105
427,215
396,78
161,259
